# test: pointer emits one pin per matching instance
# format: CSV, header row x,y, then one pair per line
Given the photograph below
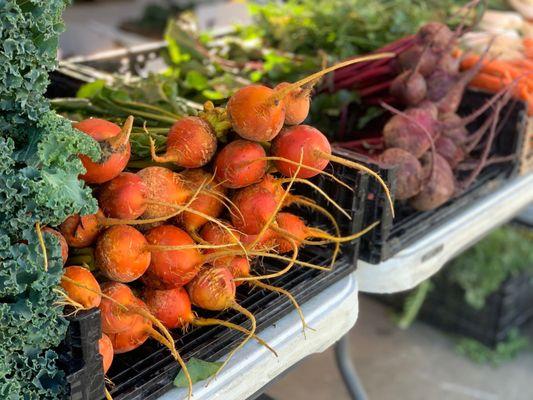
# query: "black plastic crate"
x,y
508,308
149,371
409,225
79,357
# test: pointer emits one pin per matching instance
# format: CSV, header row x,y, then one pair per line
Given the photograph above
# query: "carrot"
x,y
528,47
487,82
525,64
494,67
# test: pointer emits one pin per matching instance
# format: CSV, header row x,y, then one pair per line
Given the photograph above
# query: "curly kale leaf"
x,y
30,322
29,33
48,194
39,167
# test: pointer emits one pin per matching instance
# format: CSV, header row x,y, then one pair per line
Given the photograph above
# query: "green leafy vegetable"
x,y
199,371
38,183
481,269
341,28
504,351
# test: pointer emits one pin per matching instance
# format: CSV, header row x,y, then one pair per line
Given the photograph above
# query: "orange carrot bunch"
x,y
496,74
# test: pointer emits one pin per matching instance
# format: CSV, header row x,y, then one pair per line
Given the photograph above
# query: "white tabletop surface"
x,y
424,258
331,314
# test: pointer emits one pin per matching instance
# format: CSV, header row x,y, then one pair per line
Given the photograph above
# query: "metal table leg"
x,y
347,370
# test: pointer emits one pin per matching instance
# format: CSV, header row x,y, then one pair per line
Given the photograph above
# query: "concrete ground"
x,y
416,364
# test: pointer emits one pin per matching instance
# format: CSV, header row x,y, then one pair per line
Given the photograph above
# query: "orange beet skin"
x,y
121,253
254,114
113,160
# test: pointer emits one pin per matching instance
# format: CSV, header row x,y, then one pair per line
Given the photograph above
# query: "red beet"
x,y
437,36
420,58
448,149
400,131
439,184
453,128
408,172
439,83
409,87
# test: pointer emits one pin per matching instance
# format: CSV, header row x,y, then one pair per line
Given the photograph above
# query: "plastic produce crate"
x,y
409,225
509,307
79,357
148,371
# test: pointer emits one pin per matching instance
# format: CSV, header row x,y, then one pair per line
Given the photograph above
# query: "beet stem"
x,y
251,317
123,137
362,168
289,88
468,181
291,298
43,246
227,324
374,89
365,75
301,200
319,190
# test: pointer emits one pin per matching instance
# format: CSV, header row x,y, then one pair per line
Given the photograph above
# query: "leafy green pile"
x,y
340,28
38,184
481,270
504,351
